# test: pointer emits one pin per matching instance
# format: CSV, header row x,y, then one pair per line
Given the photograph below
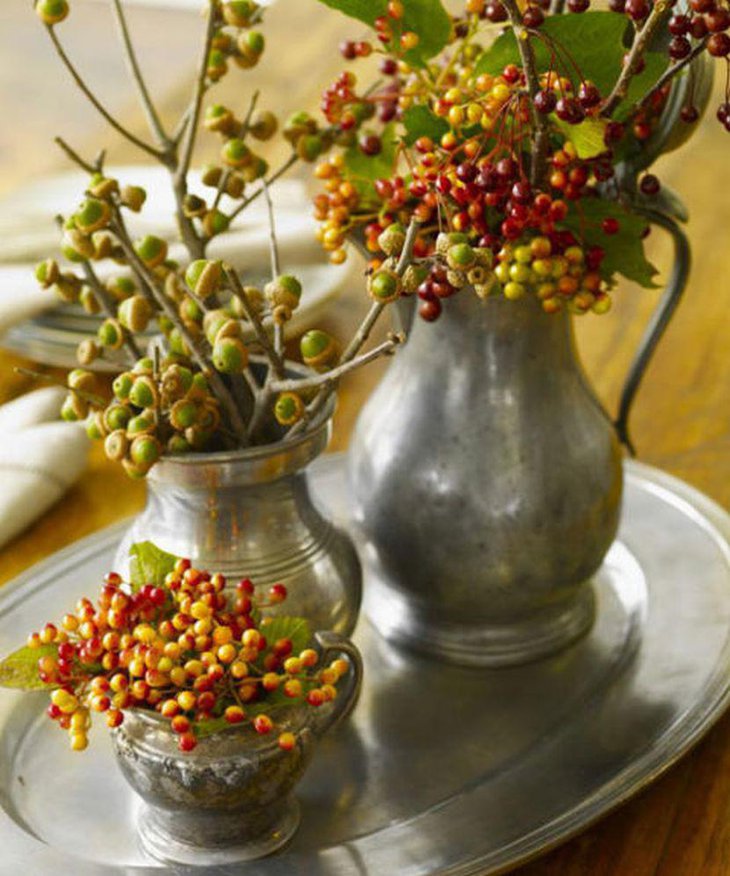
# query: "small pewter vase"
x,y
487,480
231,799
249,513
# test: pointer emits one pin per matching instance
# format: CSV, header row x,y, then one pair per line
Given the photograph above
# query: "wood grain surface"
x,y
681,825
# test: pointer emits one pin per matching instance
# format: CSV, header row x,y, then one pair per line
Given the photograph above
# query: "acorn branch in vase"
x,y
189,329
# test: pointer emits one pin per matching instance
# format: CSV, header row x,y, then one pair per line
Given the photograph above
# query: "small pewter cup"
x,y
249,513
231,799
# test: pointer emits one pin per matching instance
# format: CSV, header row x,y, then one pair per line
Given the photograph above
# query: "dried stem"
x,y
148,106
108,305
275,266
75,157
529,65
642,38
262,336
387,348
676,68
288,164
356,344
100,108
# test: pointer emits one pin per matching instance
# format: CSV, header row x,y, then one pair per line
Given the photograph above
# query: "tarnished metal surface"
x,y
441,769
487,482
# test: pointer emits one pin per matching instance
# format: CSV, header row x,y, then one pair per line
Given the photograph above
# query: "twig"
x,y
91,169
148,106
249,115
54,381
355,345
672,71
289,163
91,97
107,303
540,121
275,266
295,385
642,38
262,336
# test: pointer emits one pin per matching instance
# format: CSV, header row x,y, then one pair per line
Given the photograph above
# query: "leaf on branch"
x,y
427,18
624,250
20,669
420,121
149,565
362,170
587,137
295,628
590,44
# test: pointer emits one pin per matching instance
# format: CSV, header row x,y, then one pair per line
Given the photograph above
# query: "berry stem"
x,y
676,68
148,106
540,122
96,103
642,38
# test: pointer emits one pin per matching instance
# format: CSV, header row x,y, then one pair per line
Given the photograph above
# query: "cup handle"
x,y
332,645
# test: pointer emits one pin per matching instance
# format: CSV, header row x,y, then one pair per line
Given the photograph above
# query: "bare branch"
x,y
672,71
289,163
148,106
96,103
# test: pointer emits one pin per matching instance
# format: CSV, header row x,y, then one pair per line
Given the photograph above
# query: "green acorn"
x,y
183,415
238,13
203,277
103,187
133,198
219,119
176,381
250,46
211,176
116,416
412,278
140,425
135,313
384,286
177,445
94,426
288,409
297,125
284,291
319,350
143,393
264,125
230,355
52,12
121,287
236,154
47,273
309,147
111,334
215,222
122,385
448,239
87,351
82,380
92,216
116,445
151,250
74,408
256,170
217,65
460,256
144,451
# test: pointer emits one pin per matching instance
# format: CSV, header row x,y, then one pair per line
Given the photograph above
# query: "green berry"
x,y
460,255
318,349
309,147
133,197
230,355
183,415
256,42
143,393
121,287
145,365
92,216
140,424
110,334
217,64
122,386
215,223
238,13
93,428
47,273
151,250
203,277
117,417
384,286
235,153
52,11
145,451
288,409
177,445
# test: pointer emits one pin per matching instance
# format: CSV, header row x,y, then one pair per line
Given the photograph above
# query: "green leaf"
x,y
419,121
20,669
149,565
595,43
587,137
295,628
362,170
624,250
427,18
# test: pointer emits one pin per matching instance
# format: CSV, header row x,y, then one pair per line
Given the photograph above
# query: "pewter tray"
x,y
441,770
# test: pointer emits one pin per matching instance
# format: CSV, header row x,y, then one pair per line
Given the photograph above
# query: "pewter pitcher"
x,y
249,513
487,479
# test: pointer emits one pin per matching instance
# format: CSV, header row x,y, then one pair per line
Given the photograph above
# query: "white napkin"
x,y
40,458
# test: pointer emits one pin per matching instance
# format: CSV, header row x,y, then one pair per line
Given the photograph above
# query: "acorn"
x,y
76,246
412,278
134,471
183,415
223,41
200,388
319,350
256,298
460,256
250,48
143,393
219,119
135,313
284,294
151,250
211,176
103,187
456,278
121,287
145,365
215,222
74,408
67,288
309,147
256,170
235,153
87,351
393,239
230,355
141,425
47,273
289,409
111,334
116,445
133,198
447,239
122,385
238,13
81,380
209,415
92,215
384,286
174,288
116,416
213,321
104,246
264,125
203,277
297,125
193,206
144,451
235,186
176,343
217,65
52,12
176,381
177,445
95,428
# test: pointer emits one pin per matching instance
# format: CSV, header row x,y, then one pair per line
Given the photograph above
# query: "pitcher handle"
x,y
659,322
332,645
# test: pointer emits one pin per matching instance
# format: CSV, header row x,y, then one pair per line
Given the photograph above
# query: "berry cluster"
x,y
192,649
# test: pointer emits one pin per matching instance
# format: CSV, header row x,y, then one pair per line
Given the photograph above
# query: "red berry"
x,y
679,47
649,184
717,20
495,12
263,724
348,50
588,95
430,310
610,225
578,5
278,593
533,17
718,45
370,144
187,742
545,101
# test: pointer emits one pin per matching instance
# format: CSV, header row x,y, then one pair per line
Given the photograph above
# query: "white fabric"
x,y
40,458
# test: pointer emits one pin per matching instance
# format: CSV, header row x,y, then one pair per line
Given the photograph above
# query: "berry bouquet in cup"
x,y
518,136
215,377
176,641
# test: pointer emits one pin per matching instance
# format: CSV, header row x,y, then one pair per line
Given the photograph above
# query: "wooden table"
x,y
681,825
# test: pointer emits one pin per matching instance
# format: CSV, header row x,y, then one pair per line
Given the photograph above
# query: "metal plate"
x,y
441,770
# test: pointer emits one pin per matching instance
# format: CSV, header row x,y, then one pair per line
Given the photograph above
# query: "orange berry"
x,y
234,715
287,741
263,724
